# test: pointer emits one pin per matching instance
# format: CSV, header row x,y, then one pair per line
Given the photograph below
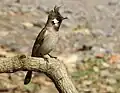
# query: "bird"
x,y
47,38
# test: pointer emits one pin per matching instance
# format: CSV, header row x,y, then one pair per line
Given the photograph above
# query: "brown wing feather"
x,y
38,42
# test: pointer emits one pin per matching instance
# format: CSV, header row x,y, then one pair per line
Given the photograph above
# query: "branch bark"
x,y
54,69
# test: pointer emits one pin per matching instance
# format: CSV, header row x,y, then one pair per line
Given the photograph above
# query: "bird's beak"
x,y
64,18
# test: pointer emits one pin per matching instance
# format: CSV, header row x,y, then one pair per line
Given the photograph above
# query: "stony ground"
x,y
88,44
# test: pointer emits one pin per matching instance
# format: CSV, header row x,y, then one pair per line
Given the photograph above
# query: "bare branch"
x,y
54,69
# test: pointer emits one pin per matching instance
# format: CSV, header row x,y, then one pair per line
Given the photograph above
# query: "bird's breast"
x,y
49,43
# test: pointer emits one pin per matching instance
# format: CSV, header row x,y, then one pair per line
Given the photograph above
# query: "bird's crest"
x,y
55,13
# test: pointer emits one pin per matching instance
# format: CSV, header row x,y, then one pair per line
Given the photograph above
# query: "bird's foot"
x,y
52,56
46,59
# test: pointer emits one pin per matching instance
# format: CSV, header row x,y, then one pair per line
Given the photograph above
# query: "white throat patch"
x,y
55,21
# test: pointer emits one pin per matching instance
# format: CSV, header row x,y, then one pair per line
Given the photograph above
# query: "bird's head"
x,y
55,18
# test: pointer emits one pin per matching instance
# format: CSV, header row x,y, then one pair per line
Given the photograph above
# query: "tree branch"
x,y
54,69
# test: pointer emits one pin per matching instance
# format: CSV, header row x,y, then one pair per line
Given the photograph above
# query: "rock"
x,y
118,66
27,25
111,80
110,89
87,90
87,82
105,73
96,69
106,65
3,33
70,61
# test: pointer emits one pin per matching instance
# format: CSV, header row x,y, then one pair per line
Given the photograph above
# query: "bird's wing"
x,y
38,42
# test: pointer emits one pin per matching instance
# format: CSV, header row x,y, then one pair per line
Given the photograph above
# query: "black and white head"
x,y
55,19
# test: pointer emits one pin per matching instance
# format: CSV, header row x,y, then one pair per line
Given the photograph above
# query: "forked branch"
x,y
54,69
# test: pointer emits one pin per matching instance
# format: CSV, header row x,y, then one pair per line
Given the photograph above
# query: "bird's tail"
x,y
28,77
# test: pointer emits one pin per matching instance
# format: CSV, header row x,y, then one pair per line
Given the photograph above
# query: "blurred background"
x,y
89,43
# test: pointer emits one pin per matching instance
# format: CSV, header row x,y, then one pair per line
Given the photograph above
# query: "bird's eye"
x,y
53,22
